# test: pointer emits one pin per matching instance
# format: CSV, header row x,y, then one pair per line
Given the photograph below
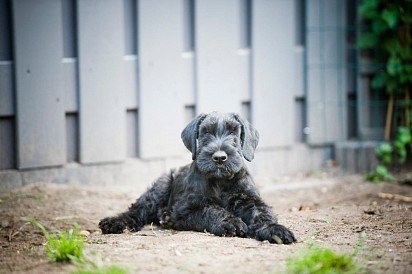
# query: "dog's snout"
x,y
219,156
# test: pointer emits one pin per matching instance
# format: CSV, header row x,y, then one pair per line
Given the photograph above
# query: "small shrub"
x,y
389,155
380,174
323,261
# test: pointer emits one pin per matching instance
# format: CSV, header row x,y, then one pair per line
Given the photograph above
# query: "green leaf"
x,y
379,26
387,159
406,17
391,17
402,156
369,9
384,153
404,135
394,65
368,40
390,45
391,85
405,52
379,80
384,148
383,173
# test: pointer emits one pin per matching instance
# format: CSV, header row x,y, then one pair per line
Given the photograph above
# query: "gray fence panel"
x,y
6,88
218,40
102,108
7,144
326,71
39,83
131,84
273,71
132,134
72,138
5,31
6,63
70,78
188,83
161,109
130,58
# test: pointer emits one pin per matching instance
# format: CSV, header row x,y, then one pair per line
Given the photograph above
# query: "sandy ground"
x,y
330,211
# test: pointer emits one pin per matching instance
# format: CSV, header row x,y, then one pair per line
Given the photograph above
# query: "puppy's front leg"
x,y
262,224
211,218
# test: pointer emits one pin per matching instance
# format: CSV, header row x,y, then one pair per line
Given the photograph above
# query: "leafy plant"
x,y
380,174
387,40
323,261
389,154
62,246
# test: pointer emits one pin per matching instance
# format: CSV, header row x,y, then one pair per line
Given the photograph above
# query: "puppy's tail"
x,y
144,210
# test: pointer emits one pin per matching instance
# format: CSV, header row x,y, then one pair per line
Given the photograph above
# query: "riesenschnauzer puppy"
x,y
215,193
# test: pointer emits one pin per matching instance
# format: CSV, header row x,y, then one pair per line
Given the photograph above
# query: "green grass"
x,y
65,246
93,269
323,261
62,246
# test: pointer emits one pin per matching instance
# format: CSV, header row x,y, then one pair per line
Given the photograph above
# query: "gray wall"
x,y
93,81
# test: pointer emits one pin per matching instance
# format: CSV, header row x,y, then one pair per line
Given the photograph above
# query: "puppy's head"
x,y
219,142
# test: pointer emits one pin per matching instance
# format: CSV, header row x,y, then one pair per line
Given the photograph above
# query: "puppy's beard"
x,y
219,171
224,175
222,172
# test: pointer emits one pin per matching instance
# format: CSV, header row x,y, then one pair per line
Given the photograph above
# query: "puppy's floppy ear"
x,y
190,133
249,137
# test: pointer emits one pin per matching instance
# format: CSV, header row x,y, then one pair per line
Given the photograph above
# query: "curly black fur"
x,y
217,196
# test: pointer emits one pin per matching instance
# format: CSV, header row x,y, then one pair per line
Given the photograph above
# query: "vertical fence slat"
x,y
326,71
7,144
102,105
5,31
70,65
39,83
72,137
6,88
70,80
273,71
162,79
218,66
131,71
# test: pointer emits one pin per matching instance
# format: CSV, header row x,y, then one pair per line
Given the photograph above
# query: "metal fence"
x,y
95,81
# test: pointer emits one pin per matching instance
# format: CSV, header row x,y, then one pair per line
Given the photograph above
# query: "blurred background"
x,y
97,92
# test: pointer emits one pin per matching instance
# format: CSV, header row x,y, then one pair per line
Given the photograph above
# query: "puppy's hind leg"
x,y
143,211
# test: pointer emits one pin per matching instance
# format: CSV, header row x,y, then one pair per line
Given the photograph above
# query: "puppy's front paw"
x,y
112,225
274,233
231,227
164,218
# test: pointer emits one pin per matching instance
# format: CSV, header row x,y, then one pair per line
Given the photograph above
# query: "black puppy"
x,y
215,193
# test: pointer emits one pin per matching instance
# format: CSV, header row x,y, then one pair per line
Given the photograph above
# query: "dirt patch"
x,y
330,212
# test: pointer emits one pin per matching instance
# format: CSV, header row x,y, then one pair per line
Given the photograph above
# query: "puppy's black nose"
x,y
219,156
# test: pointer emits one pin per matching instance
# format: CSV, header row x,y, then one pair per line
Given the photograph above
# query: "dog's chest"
x,y
217,193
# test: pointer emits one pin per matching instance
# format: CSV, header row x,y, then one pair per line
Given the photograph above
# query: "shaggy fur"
x,y
214,193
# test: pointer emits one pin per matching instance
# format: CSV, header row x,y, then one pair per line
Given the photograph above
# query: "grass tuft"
x,y
62,246
65,246
323,261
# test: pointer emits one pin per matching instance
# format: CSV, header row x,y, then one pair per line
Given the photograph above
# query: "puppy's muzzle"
x,y
219,157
